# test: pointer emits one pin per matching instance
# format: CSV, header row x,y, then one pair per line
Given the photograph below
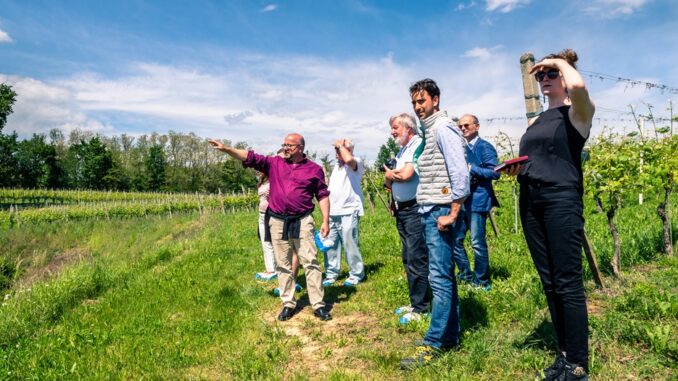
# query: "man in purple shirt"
x,y
294,180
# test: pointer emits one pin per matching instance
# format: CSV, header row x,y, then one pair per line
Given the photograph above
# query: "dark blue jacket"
x,y
482,160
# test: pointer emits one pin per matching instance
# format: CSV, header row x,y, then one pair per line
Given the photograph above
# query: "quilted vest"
x,y
434,180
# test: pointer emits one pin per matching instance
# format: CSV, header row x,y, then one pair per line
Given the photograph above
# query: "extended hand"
x,y
216,144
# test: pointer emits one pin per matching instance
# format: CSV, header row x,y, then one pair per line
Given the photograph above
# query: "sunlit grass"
x,y
175,298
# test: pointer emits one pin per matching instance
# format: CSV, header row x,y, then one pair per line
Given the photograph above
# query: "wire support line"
x,y
632,82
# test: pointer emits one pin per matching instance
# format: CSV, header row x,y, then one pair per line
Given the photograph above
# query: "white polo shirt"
x,y
346,194
406,191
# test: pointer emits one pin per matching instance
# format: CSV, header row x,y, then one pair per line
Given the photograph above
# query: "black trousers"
x,y
415,256
553,223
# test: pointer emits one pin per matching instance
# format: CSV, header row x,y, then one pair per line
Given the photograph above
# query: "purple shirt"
x,y
292,185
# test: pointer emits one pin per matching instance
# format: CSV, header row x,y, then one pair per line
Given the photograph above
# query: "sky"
x,y
256,70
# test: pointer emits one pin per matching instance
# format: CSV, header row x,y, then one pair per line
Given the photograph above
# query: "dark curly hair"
x,y
427,85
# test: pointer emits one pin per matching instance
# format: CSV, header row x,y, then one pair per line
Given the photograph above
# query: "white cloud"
x,y
480,53
4,37
270,8
40,107
505,6
461,6
259,99
614,8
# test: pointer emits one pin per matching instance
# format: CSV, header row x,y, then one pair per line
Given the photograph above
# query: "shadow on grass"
x,y
499,272
543,337
473,313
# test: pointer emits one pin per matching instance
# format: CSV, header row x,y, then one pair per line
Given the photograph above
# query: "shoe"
x,y
266,276
552,372
351,282
286,314
423,355
297,288
410,317
572,372
329,282
403,310
322,314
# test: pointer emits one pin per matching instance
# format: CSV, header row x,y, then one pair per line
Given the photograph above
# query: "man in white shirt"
x,y
403,181
346,208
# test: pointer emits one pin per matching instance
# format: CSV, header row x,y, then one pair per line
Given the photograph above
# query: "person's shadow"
x,y
543,337
473,313
338,293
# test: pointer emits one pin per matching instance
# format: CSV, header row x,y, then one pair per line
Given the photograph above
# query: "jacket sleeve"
x,y
488,160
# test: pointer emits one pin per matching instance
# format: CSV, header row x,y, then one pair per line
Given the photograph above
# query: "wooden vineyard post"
x,y
495,228
530,88
533,108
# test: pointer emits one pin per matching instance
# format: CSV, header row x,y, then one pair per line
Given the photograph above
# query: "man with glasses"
x,y
294,181
346,208
482,158
443,186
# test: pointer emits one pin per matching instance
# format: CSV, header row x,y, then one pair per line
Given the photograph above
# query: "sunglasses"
x,y
552,74
467,125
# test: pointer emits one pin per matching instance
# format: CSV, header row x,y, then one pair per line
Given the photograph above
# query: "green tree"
x,y
156,164
91,163
36,163
7,99
386,151
8,162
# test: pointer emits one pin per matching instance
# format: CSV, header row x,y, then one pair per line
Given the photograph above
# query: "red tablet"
x,y
516,160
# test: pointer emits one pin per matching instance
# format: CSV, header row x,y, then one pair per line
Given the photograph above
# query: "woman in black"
x,y
551,210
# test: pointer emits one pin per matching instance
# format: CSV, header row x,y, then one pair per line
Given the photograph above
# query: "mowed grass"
x,y
175,298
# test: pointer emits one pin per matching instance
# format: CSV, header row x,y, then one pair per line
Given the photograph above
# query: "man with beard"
x,y
443,186
403,181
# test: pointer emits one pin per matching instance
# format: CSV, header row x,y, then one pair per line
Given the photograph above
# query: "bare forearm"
x,y
236,153
325,209
456,207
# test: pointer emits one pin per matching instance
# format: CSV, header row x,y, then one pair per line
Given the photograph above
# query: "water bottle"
x,y
323,243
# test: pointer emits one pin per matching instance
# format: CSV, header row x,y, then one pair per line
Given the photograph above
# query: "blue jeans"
x,y
444,330
344,230
481,259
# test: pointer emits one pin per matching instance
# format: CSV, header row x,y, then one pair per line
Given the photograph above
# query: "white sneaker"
x,y
403,310
410,317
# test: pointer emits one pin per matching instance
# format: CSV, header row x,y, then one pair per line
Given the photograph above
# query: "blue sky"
x,y
256,70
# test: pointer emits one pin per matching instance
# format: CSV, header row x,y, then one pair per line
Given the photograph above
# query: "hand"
x,y
392,174
216,144
548,63
444,222
512,170
324,229
340,143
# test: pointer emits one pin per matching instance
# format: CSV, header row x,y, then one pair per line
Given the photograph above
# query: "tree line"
x,y
175,162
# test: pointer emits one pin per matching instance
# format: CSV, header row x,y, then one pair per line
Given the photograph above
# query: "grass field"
x,y
175,298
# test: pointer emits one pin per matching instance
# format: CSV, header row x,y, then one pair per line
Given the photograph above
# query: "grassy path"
x,y
166,299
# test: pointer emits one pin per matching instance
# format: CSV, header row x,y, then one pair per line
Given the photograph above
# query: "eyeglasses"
x,y
552,74
289,145
467,125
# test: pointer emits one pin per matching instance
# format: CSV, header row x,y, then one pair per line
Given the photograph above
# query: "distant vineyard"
x,y
78,205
